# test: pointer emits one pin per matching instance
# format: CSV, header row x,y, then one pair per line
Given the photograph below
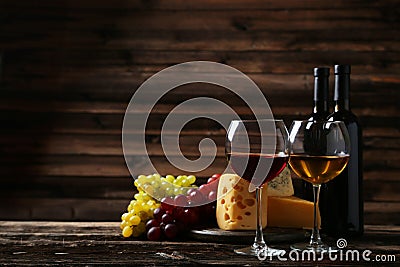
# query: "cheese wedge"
x,y
236,206
291,212
281,186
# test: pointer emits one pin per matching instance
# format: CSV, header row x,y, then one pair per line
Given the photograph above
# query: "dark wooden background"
x,y
69,69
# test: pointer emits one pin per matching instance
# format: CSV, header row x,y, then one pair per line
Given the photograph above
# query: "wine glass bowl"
x,y
257,150
319,151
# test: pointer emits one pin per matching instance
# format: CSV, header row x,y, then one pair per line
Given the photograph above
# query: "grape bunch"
x,y
159,187
182,206
178,214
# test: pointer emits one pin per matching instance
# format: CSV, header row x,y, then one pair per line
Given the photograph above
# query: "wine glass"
x,y
258,150
319,151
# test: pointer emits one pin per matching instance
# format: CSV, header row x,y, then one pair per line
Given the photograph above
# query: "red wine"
x,y
245,165
342,210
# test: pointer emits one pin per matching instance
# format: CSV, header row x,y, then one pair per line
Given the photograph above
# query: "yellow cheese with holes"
x,y
291,212
236,206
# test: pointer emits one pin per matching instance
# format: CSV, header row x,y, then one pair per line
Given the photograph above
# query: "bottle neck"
x,y
342,92
321,94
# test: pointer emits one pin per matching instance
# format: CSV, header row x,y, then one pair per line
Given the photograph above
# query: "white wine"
x,y
317,169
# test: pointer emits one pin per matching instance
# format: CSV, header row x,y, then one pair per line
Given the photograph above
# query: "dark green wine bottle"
x,y
343,198
319,113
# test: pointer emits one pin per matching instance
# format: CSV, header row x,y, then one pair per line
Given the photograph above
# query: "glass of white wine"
x,y
319,151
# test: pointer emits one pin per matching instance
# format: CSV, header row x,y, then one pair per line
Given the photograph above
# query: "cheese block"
x,y
291,212
281,186
236,206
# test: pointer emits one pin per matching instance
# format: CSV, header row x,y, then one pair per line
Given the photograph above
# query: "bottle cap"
x,y
321,71
342,69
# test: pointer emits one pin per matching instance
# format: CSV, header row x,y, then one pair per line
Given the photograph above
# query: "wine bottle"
x,y
343,200
320,112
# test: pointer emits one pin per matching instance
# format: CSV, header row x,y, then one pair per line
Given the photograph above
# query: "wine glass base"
x,y
320,248
260,252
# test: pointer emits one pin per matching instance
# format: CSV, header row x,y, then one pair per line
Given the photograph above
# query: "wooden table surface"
x,y
100,243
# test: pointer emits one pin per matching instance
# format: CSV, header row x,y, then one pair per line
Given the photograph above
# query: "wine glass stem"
x,y
259,240
315,237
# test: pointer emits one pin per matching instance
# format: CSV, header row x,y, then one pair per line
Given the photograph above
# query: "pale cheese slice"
x,y
281,186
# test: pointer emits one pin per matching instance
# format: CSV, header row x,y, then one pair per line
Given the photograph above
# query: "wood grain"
x,y
51,243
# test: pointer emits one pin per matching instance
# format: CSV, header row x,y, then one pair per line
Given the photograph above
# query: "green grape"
x,y
179,180
177,191
151,202
191,179
134,220
136,232
141,227
170,178
124,216
131,208
149,178
145,207
136,206
149,189
141,177
164,185
169,191
155,183
123,225
143,215
151,211
127,231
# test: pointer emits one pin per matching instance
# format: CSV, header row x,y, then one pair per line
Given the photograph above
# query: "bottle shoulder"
x,y
318,116
344,115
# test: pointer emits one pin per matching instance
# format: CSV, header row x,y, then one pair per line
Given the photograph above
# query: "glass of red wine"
x,y
319,151
257,150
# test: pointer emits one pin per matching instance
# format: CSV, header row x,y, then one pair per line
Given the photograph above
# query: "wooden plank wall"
x,y
69,69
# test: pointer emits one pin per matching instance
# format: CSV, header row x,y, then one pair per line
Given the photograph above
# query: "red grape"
x,y
162,226
212,195
211,179
178,212
204,189
167,218
152,223
154,233
191,190
171,231
196,197
181,201
158,213
167,203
